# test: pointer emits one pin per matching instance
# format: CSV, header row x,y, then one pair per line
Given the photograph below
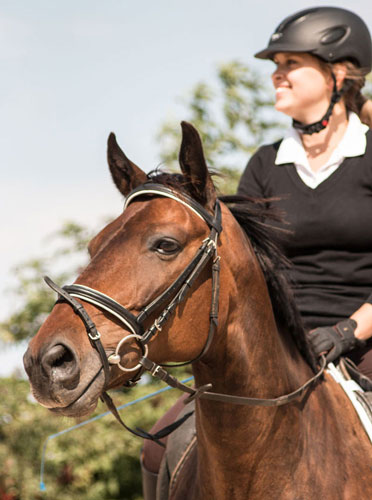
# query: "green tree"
x,y
68,251
99,461
367,90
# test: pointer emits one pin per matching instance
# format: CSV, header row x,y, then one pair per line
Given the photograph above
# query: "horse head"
x,y
135,259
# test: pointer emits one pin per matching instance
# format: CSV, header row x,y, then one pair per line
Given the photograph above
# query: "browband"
x,y
183,198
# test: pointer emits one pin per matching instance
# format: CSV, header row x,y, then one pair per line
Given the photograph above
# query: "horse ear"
x,y
125,174
194,167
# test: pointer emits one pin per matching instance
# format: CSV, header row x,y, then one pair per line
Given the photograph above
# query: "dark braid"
x,y
354,99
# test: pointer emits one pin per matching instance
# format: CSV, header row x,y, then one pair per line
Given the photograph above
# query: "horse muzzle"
x,y
63,383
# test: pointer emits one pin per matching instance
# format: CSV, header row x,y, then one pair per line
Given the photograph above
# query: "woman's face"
x,y
303,88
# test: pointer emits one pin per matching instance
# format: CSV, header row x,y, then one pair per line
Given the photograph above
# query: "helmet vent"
x,y
333,35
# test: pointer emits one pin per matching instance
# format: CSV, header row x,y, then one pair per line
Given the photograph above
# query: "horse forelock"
x,y
172,180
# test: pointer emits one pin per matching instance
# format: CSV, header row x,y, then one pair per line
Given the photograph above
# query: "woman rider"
x,y
322,172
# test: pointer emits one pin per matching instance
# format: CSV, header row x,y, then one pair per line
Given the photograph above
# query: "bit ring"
x,y
115,358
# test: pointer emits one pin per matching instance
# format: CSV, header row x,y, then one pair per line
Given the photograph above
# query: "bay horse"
x,y
150,296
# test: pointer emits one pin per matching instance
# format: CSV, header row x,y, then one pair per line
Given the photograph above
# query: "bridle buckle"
x,y
155,370
95,336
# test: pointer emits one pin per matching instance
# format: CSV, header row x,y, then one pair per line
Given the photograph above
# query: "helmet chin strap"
x,y
313,128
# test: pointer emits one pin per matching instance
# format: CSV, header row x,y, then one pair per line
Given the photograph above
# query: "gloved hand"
x,y
334,340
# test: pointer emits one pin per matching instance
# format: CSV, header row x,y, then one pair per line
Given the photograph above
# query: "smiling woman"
x,y
303,87
321,175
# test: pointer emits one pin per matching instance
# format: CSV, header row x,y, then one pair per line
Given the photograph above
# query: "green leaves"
x,y
99,461
232,119
67,251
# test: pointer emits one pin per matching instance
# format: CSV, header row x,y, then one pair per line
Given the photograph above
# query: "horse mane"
x,y
257,220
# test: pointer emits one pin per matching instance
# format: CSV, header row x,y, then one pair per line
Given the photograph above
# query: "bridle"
x,y
172,296
168,299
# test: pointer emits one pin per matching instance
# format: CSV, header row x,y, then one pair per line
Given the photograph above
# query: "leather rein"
x,y
169,299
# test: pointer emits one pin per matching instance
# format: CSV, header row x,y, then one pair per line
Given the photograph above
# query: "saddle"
x,y
180,456
179,463
358,388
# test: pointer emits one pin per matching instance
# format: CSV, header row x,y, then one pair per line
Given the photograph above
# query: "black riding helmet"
x,y
330,33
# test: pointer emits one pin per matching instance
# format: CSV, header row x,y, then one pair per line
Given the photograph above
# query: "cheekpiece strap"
x,y
93,334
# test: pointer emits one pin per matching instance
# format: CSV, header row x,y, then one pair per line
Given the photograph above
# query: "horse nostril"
x,y
59,362
27,362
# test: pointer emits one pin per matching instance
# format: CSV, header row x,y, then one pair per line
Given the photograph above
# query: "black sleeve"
x,y
256,177
250,183
369,140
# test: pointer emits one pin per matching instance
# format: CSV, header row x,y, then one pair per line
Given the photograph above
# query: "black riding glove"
x,y
334,340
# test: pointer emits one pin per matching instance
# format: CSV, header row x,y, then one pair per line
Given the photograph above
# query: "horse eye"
x,y
167,247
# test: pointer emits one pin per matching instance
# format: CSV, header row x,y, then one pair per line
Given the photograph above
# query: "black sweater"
x,y
331,242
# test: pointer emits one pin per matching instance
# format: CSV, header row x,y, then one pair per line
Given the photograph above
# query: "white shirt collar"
x,y
353,143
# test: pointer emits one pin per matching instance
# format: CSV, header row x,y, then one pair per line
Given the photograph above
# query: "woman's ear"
x,y
340,72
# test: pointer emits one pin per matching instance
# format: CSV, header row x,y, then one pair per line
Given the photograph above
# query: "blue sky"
x,y
74,70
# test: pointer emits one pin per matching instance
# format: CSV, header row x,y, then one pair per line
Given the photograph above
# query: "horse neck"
x,y
249,353
249,358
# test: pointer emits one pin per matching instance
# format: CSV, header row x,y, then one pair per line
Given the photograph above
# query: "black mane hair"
x,y
256,217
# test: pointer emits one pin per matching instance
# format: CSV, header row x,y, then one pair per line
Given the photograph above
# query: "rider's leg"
x,y
362,357
152,453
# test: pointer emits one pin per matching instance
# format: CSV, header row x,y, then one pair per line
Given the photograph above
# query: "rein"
x,y
169,299
203,391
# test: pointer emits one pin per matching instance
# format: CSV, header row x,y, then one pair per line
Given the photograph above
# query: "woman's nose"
x,y
277,76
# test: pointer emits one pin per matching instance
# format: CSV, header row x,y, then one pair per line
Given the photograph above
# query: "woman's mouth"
x,y
280,90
